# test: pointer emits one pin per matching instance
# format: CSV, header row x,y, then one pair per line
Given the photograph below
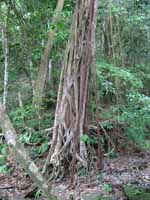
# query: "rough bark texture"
x,y
72,99
19,154
42,74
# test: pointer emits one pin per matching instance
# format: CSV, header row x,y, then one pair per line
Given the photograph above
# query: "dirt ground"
x,y
132,169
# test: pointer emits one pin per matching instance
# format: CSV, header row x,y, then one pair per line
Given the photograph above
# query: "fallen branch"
x,y
19,153
6,187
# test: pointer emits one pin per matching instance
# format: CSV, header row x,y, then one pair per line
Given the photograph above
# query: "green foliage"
x,y
100,178
135,193
3,158
31,128
121,89
3,169
136,116
82,171
85,138
25,138
89,139
44,147
19,115
25,116
113,79
38,195
107,125
108,188
3,149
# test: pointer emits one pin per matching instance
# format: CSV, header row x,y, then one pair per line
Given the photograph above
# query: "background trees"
x,y
124,42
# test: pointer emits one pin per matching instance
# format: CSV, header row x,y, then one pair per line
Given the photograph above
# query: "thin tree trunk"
x,y
20,100
5,49
19,153
42,74
99,149
49,70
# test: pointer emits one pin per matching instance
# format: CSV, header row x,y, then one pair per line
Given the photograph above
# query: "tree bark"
x,y
19,153
42,74
71,108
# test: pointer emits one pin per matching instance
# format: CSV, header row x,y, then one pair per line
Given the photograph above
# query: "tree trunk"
x,y
71,110
19,154
5,50
42,74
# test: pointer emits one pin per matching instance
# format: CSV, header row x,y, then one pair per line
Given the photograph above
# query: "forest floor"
x,y
124,177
